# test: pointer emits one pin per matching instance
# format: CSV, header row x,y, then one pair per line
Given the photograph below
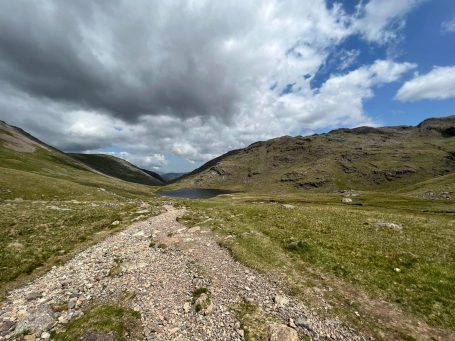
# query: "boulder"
x,y
382,225
37,321
281,332
288,206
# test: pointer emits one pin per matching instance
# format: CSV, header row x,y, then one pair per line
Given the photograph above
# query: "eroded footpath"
x,y
159,264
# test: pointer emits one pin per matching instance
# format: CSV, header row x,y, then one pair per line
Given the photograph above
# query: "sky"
x,y
169,85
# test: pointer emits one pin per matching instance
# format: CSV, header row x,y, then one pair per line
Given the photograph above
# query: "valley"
x,y
345,235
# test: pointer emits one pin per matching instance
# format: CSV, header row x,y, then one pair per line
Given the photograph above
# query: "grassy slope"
x,y
436,188
118,168
362,158
51,206
337,243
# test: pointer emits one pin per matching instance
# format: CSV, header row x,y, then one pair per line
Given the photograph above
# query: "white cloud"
x,y
448,26
191,79
347,58
439,83
154,161
380,21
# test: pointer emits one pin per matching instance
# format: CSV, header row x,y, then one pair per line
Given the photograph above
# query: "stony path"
x,y
162,281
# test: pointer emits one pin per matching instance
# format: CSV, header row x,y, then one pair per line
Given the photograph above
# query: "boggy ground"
x,y
179,282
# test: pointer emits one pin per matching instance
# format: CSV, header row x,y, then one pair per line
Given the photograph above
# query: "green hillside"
x,y
360,158
119,168
52,205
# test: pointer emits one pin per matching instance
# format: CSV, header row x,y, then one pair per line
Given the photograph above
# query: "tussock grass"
x,y
104,318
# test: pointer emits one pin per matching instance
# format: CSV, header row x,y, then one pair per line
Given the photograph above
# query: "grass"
x,y
321,236
384,160
116,268
105,318
198,292
52,206
118,168
253,320
39,234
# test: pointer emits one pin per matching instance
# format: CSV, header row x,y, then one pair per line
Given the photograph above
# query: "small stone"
x,y
302,323
187,307
280,301
33,296
209,309
281,332
62,320
382,225
173,330
288,206
346,200
249,300
291,323
194,229
6,326
45,336
115,223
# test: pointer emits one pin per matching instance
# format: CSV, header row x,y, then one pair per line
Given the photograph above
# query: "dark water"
x,y
193,193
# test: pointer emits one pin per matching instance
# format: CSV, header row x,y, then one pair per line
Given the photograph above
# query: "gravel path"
x,y
161,279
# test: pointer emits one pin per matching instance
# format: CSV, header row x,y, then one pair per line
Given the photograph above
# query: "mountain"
x,y
171,176
31,169
360,158
119,168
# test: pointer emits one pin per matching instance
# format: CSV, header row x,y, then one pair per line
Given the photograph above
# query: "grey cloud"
x,y
127,60
177,77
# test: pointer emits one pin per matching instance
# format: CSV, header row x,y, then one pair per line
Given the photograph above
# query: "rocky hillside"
x,y
361,158
119,168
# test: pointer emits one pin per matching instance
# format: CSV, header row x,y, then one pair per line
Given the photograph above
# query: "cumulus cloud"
x,y
439,83
380,21
448,26
188,78
154,161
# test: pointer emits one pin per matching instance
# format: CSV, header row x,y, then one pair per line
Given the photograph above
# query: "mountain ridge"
x,y
361,157
18,142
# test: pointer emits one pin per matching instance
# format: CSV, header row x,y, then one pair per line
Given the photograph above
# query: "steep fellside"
x,y
119,168
31,169
361,158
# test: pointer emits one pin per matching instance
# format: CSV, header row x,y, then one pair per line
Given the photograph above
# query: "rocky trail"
x,y
159,264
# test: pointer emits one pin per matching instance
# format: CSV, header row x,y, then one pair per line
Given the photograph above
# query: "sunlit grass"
x,y
413,267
